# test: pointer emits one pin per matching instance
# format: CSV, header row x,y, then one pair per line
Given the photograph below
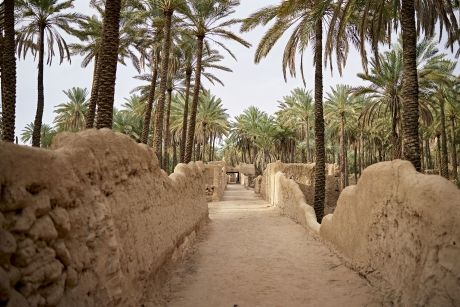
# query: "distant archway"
x,y
232,174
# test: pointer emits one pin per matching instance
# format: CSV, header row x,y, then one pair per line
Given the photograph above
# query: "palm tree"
x,y
167,7
70,116
107,58
41,21
212,121
340,105
47,134
307,25
296,111
385,88
375,18
453,114
90,34
8,71
129,119
205,19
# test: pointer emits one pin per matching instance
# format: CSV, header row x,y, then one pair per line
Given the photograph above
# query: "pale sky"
x,y
261,85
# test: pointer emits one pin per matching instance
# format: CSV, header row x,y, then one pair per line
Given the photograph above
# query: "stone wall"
x,y
401,228
90,222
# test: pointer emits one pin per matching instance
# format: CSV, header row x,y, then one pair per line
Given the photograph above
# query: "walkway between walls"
x,y
249,255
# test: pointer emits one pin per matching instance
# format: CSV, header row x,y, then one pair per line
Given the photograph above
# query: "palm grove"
x,y
408,107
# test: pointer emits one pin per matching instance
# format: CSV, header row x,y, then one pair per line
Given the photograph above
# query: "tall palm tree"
x,y
374,17
8,71
307,24
107,58
207,19
90,34
211,119
385,88
42,20
296,111
70,116
340,106
167,7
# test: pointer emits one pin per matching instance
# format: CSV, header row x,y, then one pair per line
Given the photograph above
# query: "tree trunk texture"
x,y
174,162
188,78
2,81
454,150
204,143
422,155
151,98
343,180
108,61
396,142
167,133
8,74
159,114
444,154
91,112
36,134
196,94
429,160
320,176
410,115
355,161
438,154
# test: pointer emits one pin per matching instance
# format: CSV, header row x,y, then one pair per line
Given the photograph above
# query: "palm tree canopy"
x,y
50,16
70,116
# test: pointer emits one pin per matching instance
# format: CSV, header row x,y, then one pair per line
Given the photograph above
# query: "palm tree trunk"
x,y
108,61
41,99
214,146
174,162
444,159
151,98
307,138
320,176
343,180
8,73
204,143
355,161
166,131
438,154
454,150
410,85
196,94
210,146
2,80
91,112
429,160
422,155
188,78
396,142
158,137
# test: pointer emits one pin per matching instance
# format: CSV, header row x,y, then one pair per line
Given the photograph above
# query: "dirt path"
x,y
249,255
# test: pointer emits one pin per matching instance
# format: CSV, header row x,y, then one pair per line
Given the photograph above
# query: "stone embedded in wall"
x,y
90,231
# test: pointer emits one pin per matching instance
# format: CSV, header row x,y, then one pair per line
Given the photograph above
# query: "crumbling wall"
x,y
90,222
304,176
401,228
216,180
283,192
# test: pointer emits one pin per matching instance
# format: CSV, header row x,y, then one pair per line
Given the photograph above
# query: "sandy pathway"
x,y
250,256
